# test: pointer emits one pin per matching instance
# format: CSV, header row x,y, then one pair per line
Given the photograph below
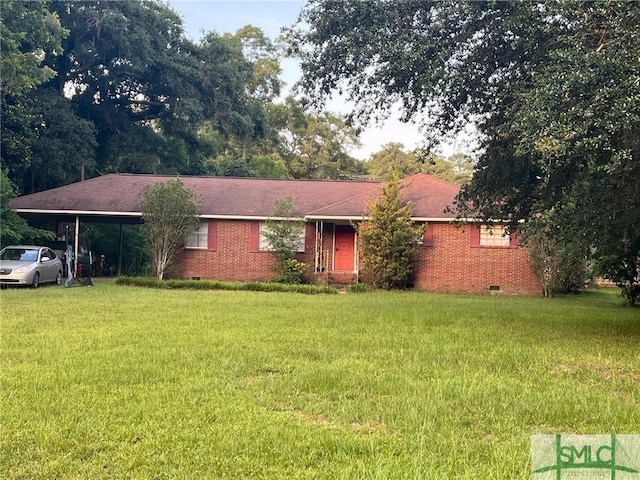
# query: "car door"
x,y
48,268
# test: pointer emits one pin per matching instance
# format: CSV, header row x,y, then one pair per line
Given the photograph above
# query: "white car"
x,y
29,265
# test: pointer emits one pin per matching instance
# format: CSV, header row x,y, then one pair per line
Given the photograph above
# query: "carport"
x,y
98,200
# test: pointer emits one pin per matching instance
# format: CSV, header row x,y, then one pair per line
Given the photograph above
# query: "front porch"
x,y
336,253
336,279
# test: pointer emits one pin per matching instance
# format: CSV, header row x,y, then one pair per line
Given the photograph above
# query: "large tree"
x,y
391,161
312,144
28,33
297,143
128,68
264,55
128,83
553,88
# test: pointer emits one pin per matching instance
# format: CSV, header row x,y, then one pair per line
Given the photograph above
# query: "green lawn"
x,y
122,382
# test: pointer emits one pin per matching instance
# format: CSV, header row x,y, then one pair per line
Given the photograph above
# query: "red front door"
x,y
344,248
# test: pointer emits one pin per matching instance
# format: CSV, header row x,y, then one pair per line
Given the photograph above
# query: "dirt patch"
x,y
603,368
362,428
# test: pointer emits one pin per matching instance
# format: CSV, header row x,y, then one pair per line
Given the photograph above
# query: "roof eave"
x,y
91,213
334,217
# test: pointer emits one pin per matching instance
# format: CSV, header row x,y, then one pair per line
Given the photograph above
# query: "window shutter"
x,y
254,236
427,239
474,236
309,236
212,236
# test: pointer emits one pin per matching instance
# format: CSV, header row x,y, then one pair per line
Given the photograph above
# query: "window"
x,y
263,243
29,256
496,236
199,238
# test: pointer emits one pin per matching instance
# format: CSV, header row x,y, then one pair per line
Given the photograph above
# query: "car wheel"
x,y
35,283
59,278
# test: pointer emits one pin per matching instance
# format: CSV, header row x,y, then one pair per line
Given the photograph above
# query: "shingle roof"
x,y
429,196
121,195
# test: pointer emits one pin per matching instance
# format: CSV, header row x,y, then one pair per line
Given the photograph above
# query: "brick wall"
x,y
453,265
450,265
236,257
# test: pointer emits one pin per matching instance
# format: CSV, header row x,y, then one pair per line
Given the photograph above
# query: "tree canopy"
x,y
13,228
90,88
394,161
553,88
28,33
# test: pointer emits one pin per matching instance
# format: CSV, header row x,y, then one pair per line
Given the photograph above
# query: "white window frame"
x,y
265,246
198,240
494,236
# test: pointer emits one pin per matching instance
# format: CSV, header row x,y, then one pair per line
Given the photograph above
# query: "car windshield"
x,y
21,254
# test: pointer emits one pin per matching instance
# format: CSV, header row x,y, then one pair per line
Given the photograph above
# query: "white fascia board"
x,y
334,217
366,217
92,213
247,217
489,221
432,219
102,213
460,220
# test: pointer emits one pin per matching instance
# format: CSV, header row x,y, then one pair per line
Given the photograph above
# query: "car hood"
x,y
13,263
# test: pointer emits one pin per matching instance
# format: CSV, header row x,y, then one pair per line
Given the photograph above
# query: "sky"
x,y
271,15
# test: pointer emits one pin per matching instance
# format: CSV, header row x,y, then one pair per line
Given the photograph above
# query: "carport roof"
x,y
120,195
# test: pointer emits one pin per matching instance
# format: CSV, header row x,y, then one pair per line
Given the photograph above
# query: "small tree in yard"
x,y
284,234
170,213
556,254
389,239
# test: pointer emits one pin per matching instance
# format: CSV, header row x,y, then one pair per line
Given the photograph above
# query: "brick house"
x,y
229,244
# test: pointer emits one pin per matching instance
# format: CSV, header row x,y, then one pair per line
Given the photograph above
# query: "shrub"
x,y
359,288
151,282
291,271
557,255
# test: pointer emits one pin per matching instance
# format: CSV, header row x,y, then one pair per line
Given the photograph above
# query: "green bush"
x,y
291,271
359,288
558,256
151,282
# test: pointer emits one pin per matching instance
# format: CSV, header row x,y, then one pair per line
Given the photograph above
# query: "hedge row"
x,y
152,282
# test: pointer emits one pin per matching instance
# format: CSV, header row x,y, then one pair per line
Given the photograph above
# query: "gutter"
x,y
93,213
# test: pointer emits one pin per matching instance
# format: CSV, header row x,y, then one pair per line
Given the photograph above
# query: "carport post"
x,y
120,253
76,245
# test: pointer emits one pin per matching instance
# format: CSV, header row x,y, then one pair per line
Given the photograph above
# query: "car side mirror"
x,y
45,259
